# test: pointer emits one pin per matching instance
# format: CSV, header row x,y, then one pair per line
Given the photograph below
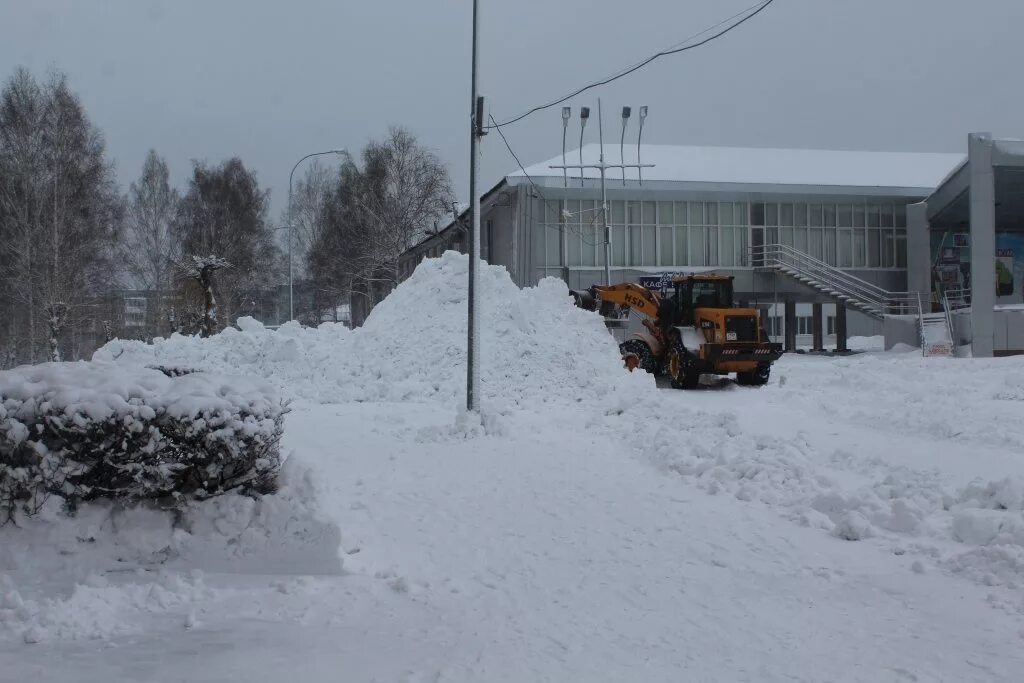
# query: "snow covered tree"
x,y
202,270
223,216
149,250
376,212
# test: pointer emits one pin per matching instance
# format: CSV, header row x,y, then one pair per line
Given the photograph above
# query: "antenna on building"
x,y
603,167
566,115
622,141
639,135
584,115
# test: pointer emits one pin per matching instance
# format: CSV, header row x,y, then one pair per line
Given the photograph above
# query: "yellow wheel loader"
x,y
693,330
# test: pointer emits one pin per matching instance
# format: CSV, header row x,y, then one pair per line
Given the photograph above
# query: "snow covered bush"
x,y
97,430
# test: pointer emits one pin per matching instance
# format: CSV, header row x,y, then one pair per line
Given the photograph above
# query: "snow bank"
x,y
980,527
536,346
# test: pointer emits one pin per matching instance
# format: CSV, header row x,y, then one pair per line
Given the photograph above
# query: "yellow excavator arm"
x,y
631,296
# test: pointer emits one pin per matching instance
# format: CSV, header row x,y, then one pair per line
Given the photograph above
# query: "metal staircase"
x,y
856,293
935,330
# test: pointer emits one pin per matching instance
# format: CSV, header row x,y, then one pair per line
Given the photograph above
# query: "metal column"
x,y
790,325
983,243
841,327
817,338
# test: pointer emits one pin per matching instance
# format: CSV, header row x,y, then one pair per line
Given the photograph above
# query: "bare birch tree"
x,y
149,250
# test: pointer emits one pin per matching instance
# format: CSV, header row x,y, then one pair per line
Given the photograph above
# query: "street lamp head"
x,y
643,112
626,111
566,115
584,115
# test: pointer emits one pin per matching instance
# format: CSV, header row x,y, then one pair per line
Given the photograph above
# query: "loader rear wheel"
x,y
637,354
755,378
682,370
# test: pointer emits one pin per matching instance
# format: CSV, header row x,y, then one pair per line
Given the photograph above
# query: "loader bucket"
x,y
584,300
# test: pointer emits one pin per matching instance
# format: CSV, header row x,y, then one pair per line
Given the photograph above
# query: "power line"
x,y
750,12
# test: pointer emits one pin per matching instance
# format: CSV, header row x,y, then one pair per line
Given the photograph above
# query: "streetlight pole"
x,y
291,226
473,322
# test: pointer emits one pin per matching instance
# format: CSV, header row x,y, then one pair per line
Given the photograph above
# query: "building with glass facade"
x,y
714,208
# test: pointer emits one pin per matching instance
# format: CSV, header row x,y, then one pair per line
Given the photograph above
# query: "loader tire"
x,y
755,378
637,355
681,369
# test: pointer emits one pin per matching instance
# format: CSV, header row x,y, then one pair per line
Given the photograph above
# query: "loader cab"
x,y
704,291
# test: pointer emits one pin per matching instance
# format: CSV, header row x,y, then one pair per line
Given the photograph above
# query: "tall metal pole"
x,y
604,201
473,341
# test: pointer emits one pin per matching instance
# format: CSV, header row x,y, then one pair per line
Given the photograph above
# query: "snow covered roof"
x,y
763,166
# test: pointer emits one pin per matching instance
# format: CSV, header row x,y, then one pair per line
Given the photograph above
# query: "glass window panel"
x,y
635,253
696,246
680,213
814,243
901,249
874,248
816,218
872,216
725,213
618,246
858,215
742,249
888,249
800,240
740,215
829,246
589,239
681,243
666,215
786,214
728,246
650,254
829,211
885,216
901,216
845,216
696,213
633,213
649,214
618,210
757,213
771,214
665,249
859,248
712,247
800,214
771,235
845,249
575,255
711,213
787,236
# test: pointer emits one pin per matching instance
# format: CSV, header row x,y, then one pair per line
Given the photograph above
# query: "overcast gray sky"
x,y
272,80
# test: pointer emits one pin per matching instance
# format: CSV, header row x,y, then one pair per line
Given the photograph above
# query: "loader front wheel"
x,y
682,370
636,354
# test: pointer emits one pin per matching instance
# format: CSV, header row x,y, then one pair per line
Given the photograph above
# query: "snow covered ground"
x,y
858,519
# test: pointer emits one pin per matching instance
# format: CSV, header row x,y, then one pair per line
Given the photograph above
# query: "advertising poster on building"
x,y
951,264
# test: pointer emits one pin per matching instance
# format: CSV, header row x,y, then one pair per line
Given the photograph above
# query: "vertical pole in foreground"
x,y
604,201
473,341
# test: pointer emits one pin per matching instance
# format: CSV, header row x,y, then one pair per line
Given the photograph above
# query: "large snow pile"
x,y
536,345
95,429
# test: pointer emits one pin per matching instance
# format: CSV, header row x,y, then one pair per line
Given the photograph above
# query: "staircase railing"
x,y
876,300
954,299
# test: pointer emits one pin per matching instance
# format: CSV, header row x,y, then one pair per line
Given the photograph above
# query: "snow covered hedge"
x,y
98,430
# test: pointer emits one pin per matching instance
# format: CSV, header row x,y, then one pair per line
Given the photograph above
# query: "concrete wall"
x,y
901,329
